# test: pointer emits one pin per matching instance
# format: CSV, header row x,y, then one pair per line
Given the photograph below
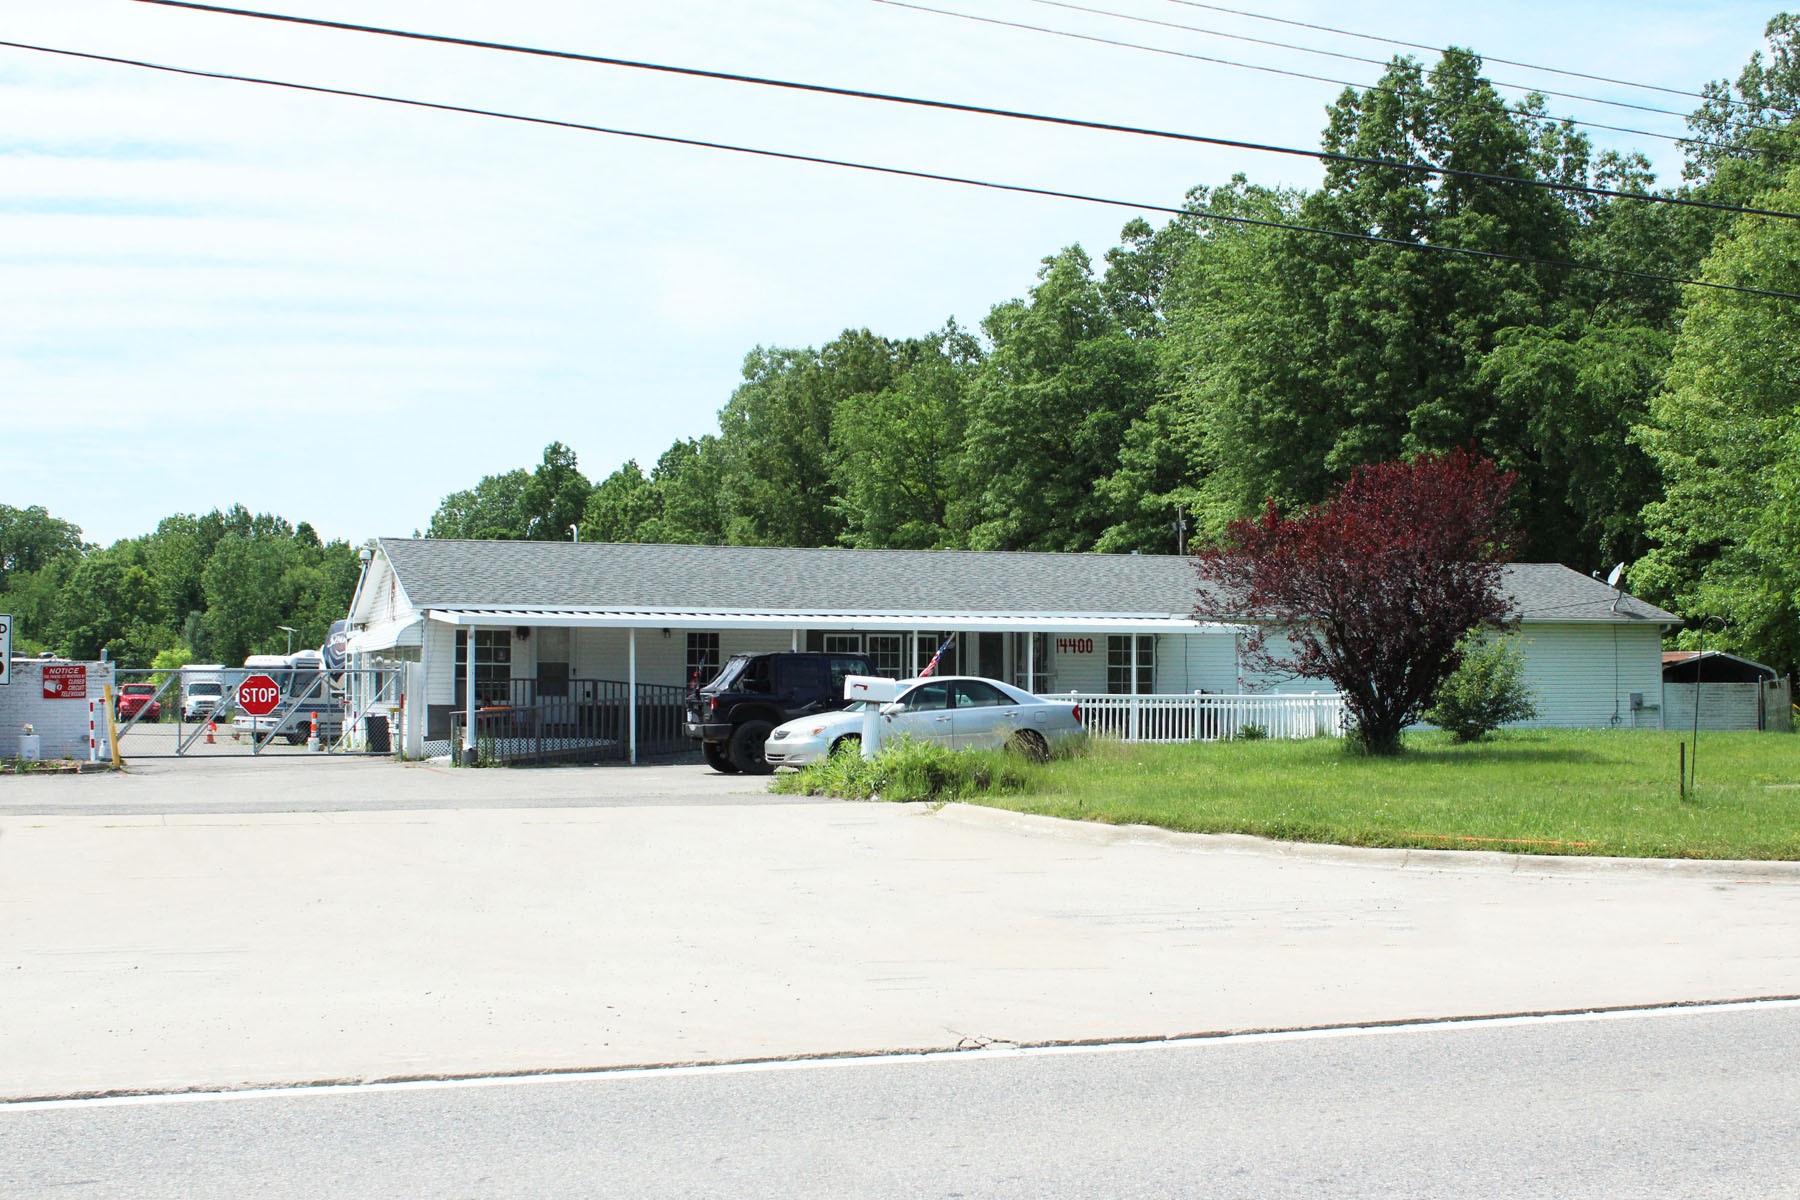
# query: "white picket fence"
x,y
1209,718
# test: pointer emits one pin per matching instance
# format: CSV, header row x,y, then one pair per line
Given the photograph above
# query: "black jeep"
x,y
733,714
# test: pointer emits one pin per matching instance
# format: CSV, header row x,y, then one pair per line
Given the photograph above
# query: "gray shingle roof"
x,y
444,573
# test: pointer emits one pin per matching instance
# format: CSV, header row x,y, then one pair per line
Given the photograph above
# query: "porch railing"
x,y
588,720
1206,717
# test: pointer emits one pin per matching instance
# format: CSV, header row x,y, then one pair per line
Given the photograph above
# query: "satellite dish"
x,y
1616,574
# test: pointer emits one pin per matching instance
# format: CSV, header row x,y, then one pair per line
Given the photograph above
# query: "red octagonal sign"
x,y
258,695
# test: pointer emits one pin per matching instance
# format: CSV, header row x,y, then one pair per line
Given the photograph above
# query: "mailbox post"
x,y
877,690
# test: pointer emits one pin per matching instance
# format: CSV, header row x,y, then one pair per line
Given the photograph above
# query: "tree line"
x,y
1206,366
1203,366
212,588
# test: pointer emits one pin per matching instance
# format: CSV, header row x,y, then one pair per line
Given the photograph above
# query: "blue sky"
x,y
340,311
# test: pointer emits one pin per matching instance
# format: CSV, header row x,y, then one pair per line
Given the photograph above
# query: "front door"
x,y
991,655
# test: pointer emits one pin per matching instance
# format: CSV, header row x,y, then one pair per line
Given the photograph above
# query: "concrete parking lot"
x,y
221,924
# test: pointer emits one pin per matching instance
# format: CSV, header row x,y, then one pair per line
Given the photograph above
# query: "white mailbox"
x,y
870,687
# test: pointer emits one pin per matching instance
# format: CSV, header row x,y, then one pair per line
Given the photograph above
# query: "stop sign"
x,y
258,695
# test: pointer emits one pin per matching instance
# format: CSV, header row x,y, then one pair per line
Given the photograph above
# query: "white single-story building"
x,y
587,620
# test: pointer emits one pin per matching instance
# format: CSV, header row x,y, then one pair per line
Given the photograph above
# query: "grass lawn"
x,y
1593,792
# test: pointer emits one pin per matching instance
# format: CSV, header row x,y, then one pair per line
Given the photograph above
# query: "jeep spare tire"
x,y
747,747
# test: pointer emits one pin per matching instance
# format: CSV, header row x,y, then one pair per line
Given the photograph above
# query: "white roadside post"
x,y
877,690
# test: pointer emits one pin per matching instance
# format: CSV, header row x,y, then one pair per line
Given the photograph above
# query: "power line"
x,y
981,110
1240,37
787,156
1370,37
1678,139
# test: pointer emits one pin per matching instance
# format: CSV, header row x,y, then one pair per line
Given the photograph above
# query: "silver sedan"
x,y
959,711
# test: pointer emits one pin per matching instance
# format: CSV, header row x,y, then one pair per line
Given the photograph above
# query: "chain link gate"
x,y
177,713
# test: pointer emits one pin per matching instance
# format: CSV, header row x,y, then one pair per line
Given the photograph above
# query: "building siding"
x,y
440,657
1578,676
1584,674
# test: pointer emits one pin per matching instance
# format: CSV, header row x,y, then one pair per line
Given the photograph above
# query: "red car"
x,y
135,696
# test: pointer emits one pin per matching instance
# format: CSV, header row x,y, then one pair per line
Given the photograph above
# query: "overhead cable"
x,y
935,177
981,110
1371,37
1240,37
1677,138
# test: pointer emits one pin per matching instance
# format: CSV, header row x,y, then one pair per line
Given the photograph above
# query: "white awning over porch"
x,y
387,636
711,619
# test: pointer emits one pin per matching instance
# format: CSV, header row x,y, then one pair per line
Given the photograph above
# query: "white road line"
x,y
817,1064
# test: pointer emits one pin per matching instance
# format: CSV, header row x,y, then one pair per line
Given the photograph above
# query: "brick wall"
x,y
62,725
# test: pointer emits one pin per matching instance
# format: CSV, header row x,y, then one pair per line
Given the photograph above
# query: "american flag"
x,y
932,665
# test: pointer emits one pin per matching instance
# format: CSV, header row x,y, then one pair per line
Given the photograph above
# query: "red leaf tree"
x,y
1372,588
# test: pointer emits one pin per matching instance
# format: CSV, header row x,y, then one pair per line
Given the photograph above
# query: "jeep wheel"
x,y
718,758
747,747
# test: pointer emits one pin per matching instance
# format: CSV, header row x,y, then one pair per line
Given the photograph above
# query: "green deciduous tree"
x,y
689,508
1724,433
1049,409
30,539
621,506
109,603
777,487
555,497
493,508
244,593
1743,134
894,452
1316,356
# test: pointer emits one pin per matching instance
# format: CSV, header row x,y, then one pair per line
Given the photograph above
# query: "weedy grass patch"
x,y
1579,792
909,770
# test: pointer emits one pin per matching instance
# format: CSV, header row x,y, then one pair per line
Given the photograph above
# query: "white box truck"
x,y
202,690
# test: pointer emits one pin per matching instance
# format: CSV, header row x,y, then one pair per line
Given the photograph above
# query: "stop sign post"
x,y
258,695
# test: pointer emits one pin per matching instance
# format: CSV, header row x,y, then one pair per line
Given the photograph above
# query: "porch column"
x,y
1135,725
794,639
468,751
1031,662
631,687
417,715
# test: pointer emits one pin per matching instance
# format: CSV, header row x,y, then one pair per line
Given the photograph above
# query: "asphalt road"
x,y
1689,1103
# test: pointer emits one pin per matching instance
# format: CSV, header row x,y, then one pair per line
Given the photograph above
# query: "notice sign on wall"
x,y
65,681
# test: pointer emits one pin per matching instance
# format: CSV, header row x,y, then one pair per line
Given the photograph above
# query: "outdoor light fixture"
x,y
291,631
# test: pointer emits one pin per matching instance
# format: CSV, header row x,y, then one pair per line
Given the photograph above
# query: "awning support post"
x,y
631,713
468,750
1031,662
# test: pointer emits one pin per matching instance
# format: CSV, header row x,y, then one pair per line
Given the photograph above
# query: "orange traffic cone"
x,y
210,726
